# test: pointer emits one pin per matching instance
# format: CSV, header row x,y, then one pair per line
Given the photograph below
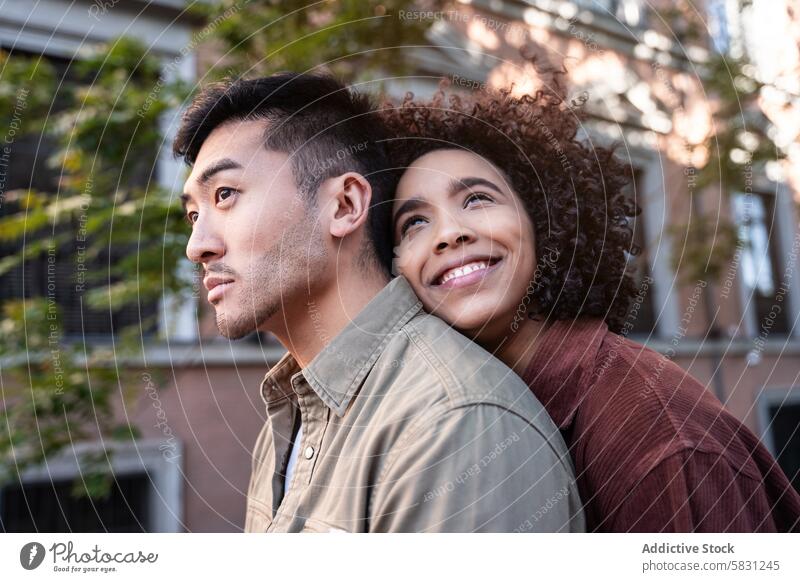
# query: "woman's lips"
x,y
471,278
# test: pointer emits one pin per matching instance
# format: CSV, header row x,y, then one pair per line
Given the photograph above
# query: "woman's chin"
x,y
473,321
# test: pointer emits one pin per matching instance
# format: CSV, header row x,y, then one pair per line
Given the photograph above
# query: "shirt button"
x,y
309,452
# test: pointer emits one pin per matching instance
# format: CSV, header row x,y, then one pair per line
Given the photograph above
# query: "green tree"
x,y
58,390
354,39
738,146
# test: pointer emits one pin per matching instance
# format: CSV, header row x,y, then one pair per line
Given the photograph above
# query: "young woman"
x,y
519,235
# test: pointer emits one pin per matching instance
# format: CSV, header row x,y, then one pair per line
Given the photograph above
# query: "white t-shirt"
x,y
293,459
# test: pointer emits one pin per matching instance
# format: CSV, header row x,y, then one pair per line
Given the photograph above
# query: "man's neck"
x,y
315,321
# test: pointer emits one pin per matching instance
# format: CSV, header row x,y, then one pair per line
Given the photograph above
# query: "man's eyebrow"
x,y
459,184
216,167
208,173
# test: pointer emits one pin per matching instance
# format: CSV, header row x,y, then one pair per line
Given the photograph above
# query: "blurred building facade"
x,y
638,78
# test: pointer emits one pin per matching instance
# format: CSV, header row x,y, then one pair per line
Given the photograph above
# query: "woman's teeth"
x,y
461,271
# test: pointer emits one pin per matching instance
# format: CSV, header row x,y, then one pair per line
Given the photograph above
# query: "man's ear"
x,y
347,203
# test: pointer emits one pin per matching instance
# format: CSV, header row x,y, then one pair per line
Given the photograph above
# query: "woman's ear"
x,y
348,199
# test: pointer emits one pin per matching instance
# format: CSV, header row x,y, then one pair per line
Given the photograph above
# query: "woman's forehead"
x,y
439,168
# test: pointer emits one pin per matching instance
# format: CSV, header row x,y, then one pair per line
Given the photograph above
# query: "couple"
x,y
304,202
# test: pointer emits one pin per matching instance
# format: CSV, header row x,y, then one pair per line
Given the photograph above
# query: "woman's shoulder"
x,y
631,370
645,407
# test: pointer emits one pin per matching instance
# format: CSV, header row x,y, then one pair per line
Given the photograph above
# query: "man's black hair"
x,y
326,128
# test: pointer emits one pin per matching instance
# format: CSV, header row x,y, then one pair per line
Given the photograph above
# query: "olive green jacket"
x,y
408,426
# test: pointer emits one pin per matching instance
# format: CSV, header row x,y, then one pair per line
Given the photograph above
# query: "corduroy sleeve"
x,y
693,490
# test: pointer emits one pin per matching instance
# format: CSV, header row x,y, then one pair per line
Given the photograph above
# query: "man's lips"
x,y
465,271
216,287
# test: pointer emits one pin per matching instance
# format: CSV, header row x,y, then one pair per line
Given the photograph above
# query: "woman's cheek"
x,y
403,263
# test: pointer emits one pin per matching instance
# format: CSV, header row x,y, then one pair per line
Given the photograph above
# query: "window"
x,y
626,11
760,264
49,507
147,495
28,168
718,25
641,315
784,422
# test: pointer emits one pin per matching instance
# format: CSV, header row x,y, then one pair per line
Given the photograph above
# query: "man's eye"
x,y
191,217
477,197
223,194
409,223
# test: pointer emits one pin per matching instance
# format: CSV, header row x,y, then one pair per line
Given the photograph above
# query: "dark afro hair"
x,y
574,192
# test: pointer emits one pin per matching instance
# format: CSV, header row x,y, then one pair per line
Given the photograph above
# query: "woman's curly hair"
x,y
572,191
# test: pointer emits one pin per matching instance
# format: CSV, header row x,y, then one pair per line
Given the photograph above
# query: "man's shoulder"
x,y
437,364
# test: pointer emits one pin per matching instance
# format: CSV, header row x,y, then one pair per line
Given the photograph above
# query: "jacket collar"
x,y
561,371
337,372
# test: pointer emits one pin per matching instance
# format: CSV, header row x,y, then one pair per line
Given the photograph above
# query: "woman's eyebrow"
x,y
456,185
459,184
411,205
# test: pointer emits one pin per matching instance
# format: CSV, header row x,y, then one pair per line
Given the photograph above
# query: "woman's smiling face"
x,y
464,242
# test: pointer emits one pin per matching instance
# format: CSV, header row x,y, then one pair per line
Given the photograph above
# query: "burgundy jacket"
x,y
654,451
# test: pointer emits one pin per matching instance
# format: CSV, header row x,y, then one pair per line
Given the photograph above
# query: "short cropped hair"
x,y
327,129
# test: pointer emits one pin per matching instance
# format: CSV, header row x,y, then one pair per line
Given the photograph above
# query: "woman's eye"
x,y
223,194
410,223
477,197
191,217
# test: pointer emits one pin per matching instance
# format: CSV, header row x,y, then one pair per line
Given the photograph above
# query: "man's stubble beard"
x,y
282,274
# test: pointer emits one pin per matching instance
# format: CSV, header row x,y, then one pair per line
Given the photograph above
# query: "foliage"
x,y
738,147
66,399
27,88
353,39
106,135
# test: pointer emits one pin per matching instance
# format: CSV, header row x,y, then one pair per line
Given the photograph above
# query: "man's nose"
x,y
204,244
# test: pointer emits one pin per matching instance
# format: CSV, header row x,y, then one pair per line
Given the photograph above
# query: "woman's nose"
x,y
453,234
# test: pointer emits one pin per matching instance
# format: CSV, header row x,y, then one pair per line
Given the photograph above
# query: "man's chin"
x,y
234,328
238,325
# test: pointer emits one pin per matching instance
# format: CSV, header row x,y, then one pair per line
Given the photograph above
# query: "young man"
x,y
380,417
